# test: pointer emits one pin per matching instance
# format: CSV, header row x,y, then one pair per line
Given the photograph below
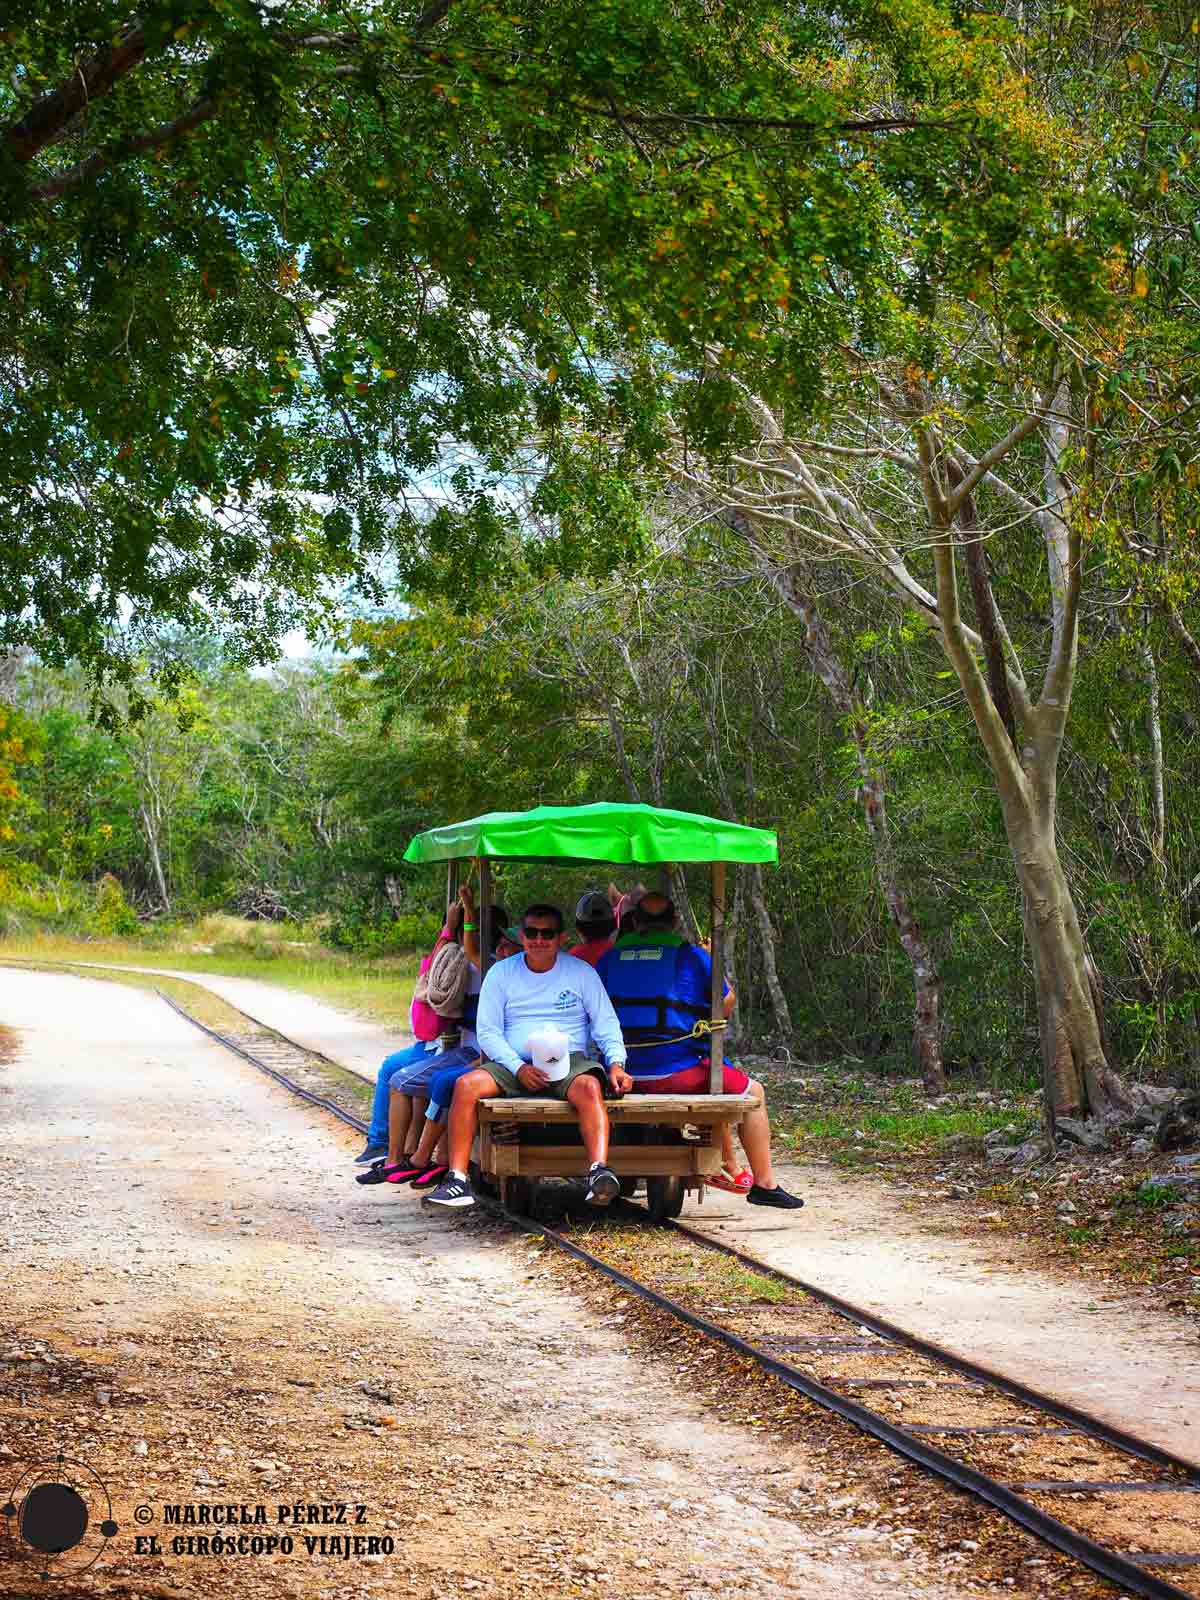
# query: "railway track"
x,y
1119,1505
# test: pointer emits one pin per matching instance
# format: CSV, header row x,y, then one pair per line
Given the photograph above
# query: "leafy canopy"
x,y
287,288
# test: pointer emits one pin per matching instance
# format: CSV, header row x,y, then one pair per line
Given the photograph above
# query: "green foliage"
x,y
292,250
113,915
366,935
1146,1196
237,782
31,903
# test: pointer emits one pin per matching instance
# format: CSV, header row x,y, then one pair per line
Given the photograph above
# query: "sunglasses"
x,y
540,933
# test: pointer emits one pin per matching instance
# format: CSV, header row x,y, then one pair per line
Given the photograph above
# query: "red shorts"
x,y
693,1080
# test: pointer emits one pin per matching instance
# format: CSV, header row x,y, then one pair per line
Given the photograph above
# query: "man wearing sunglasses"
x,y
544,987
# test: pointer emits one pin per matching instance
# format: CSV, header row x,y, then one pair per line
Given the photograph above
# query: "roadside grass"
x,y
379,988
855,1119
900,1129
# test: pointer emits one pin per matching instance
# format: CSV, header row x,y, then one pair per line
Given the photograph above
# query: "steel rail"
x,y
1095,1427
272,1072
1110,1564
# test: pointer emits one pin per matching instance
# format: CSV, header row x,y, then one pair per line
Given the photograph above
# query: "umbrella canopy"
x,y
615,834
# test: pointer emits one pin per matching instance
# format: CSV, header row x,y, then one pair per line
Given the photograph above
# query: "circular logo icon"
x,y
57,1517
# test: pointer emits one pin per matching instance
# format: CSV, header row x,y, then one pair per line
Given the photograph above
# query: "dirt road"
x,y
1101,1346
202,1309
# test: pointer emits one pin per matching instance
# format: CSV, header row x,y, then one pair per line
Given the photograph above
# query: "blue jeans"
x,y
441,1085
420,1079
377,1133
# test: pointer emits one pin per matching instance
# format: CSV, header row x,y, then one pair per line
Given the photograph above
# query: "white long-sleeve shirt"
x,y
515,1001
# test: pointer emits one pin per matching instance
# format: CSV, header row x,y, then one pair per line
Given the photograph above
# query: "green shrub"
x,y
33,903
111,914
363,936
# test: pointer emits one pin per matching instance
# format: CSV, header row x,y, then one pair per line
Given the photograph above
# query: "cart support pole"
x,y
716,1071
485,915
451,886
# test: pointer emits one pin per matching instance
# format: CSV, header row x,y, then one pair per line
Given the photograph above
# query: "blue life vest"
x,y
642,983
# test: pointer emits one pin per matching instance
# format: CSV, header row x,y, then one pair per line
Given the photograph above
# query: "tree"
x,y
678,683
287,286
843,493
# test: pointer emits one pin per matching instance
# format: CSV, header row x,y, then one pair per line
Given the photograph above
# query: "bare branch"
x,y
962,658
793,124
989,458
202,111
1064,561
1002,486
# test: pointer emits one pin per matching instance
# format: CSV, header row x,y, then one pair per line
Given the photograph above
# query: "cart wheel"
x,y
664,1198
628,1187
518,1195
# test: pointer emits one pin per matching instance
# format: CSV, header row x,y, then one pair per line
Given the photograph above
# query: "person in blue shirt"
x,y
519,999
660,987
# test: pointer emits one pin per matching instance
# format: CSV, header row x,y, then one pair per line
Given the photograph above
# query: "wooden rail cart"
x,y
671,1141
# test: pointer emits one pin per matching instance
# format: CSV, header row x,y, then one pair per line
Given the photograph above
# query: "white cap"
x,y
550,1050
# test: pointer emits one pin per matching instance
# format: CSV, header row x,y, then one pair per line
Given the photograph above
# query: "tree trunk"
x,y
10,670
150,825
1186,639
1158,809
1077,1076
779,1005
927,1022
732,928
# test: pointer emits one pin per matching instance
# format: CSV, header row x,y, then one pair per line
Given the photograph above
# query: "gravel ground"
x,y
210,1314
1104,1346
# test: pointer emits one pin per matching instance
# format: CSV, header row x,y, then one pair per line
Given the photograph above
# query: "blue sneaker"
x,y
370,1152
453,1194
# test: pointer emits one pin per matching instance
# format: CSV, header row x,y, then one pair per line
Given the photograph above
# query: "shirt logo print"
x,y
566,999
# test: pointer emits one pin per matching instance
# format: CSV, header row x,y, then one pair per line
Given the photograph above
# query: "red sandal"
x,y
732,1182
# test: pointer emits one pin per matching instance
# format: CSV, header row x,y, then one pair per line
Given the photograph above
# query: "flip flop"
x,y
405,1172
432,1176
732,1182
377,1172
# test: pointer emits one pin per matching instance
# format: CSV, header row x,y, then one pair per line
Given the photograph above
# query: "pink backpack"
x,y
426,1024
444,978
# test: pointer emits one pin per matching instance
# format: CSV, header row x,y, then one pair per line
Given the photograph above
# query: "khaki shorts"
x,y
507,1083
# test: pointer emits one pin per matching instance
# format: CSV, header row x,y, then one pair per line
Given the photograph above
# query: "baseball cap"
x,y
550,1049
513,934
594,906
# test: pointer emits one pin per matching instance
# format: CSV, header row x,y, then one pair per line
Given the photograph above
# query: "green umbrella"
x,y
617,834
